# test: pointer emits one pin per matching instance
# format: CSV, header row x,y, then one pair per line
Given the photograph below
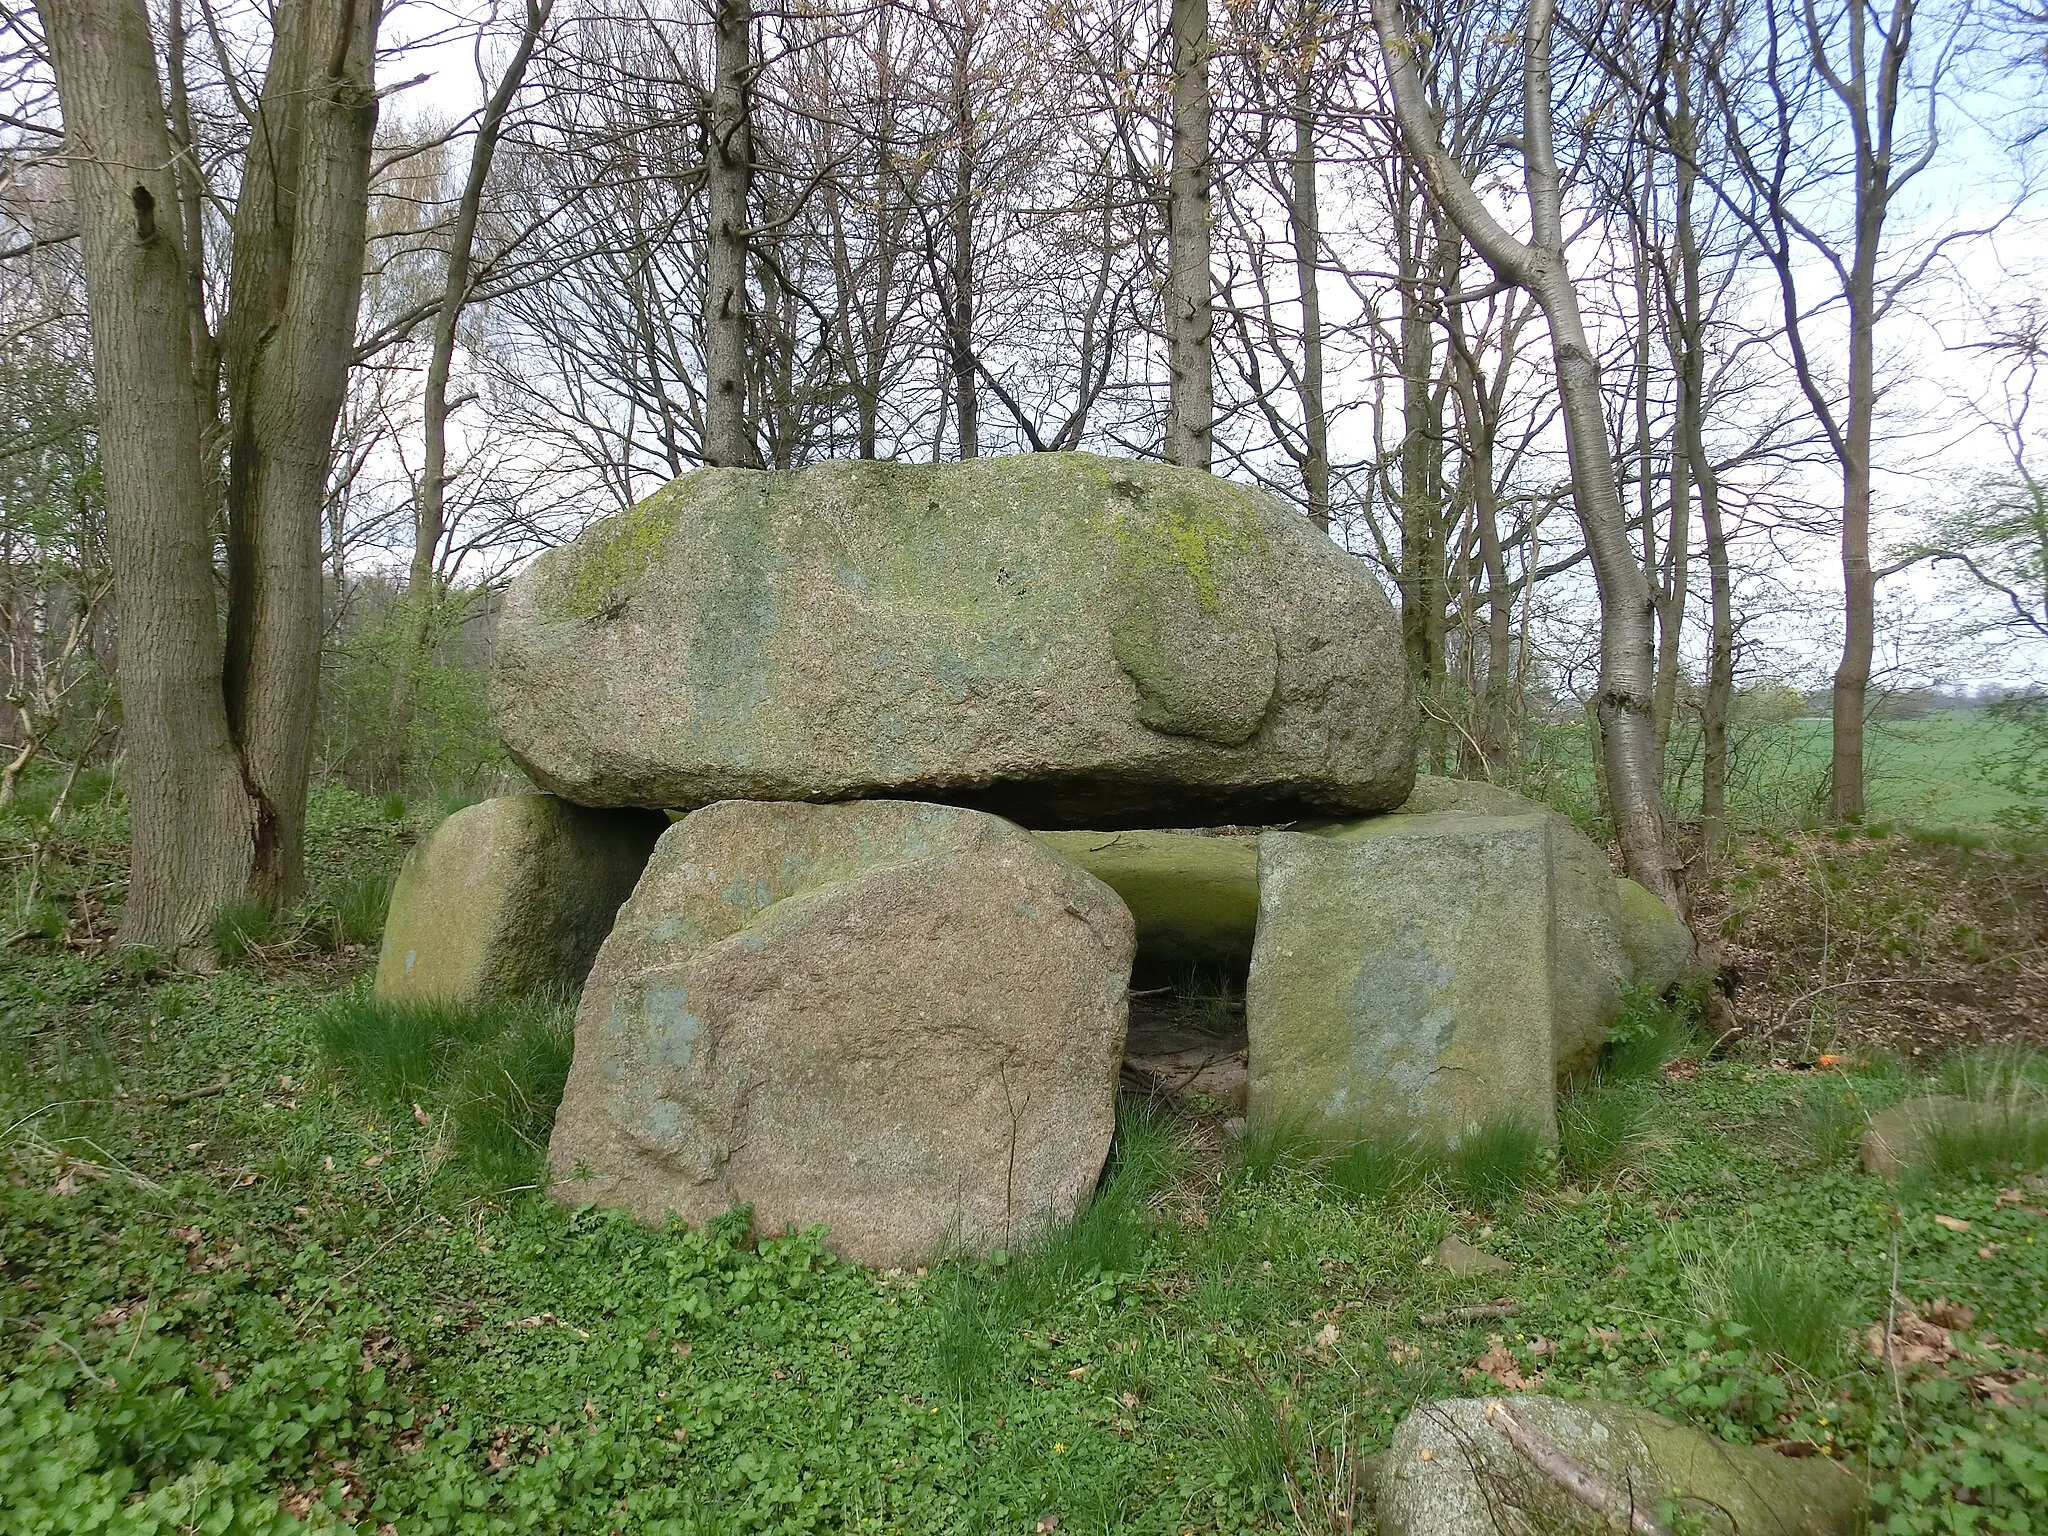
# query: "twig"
x,y
190,1094
1557,1465
1467,1314
71,1349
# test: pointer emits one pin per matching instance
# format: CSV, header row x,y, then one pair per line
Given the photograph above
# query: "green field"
x,y
1935,772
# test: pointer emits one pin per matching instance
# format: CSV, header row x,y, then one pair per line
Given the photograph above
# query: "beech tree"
x,y
218,736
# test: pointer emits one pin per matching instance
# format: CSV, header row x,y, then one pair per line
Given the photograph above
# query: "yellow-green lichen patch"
x,y
591,575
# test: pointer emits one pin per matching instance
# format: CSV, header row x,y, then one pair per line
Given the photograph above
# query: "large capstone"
x,y
897,1020
509,897
1501,1467
1401,984
1068,640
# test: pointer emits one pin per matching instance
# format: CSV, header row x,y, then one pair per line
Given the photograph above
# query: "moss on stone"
x,y
589,574
1195,897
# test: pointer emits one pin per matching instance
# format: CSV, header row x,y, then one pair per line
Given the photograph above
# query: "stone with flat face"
x,y
1068,640
901,1021
1591,964
1402,983
508,897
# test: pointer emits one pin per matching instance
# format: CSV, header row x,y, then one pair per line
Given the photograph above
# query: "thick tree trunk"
x,y
1191,408
194,827
286,345
1305,218
728,435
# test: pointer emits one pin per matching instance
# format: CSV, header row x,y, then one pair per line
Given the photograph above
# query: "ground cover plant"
x,y
273,1259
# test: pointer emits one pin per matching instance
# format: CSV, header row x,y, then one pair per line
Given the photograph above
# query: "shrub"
x,y
1650,1032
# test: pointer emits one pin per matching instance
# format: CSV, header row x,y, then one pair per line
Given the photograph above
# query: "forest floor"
x,y
242,1291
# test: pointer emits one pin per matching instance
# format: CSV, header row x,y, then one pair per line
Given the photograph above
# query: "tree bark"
x,y
728,435
961,273
194,826
1306,231
1191,407
286,346
1627,629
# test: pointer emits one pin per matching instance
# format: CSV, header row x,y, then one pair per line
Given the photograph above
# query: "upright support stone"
x,y
510,896
899,1021
1403,982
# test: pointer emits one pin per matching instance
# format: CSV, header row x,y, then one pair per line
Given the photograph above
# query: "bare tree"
x,y
728,434
430,501
1626,703
1839,108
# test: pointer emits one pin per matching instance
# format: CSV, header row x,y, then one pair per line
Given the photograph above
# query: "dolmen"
x,y
863,789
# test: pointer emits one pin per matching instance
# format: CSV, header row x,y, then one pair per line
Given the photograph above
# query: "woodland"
x,y
1673,366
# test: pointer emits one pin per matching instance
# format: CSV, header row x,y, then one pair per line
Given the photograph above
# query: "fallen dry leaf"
x,y
1499,1363
1327,1337
1914,1341
1950,1314
1953,1223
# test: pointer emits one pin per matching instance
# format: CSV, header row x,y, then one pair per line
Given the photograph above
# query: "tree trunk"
x,y
286,345
430,504
1304,216
194,826
728,435
1627,632
960,280
1859,586
1191,408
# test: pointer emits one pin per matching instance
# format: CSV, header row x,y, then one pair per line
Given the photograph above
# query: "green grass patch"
x,y
1603,1129
1785,1306
1497,1162
242,928
489,1074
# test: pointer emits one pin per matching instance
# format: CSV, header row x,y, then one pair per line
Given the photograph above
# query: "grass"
x,y
359,908
298,1309
241,928
1603,1129
1651,1033
1497,1162
489,1075
1785,1306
